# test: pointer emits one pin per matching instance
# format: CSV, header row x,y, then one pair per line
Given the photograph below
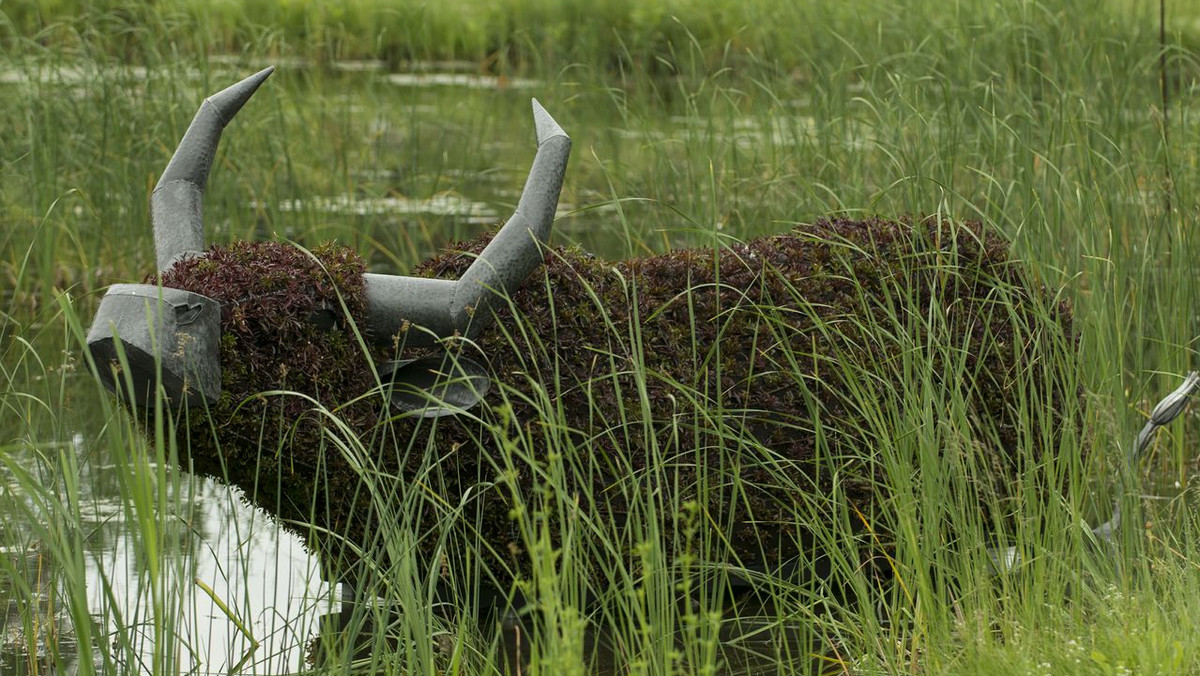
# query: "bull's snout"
x,y
182,329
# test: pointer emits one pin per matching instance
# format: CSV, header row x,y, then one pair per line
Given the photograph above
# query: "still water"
x,y
261,573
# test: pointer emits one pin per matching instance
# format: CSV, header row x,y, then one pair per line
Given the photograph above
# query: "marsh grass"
x,y
693,124
668,603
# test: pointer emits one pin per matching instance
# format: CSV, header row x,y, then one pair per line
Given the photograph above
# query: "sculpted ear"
x,y
432,387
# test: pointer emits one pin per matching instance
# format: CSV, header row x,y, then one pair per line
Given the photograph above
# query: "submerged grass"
x,y
693,123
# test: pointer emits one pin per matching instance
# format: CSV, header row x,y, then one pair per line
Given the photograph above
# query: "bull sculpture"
x,y
723,377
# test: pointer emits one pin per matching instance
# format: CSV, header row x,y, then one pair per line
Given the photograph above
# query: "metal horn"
x,y
176,205
445,307
170,337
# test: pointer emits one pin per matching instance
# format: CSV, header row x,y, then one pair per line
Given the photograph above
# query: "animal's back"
x,y
742,368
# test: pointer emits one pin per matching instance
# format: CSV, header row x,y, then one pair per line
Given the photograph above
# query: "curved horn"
x,y
176,205
516,251
165,337
445,307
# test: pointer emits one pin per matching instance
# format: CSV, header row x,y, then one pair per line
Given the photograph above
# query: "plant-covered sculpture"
x,y
732,371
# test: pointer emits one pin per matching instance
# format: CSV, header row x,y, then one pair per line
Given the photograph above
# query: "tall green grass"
x,y
547,36
691,122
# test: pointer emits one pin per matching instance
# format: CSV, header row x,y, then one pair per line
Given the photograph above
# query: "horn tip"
x,y
547,128
230,100
260,77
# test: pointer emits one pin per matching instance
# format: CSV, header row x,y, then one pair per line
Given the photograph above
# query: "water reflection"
x,y
34,629
461,80
451,205
215,550
418,74
259,571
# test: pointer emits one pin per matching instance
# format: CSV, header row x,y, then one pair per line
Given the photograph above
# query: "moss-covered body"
x,y
722,368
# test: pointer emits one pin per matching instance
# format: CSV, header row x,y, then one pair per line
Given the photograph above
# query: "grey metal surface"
x,y
432,387
145,335
1166,411
414,308
166,336
442,309
1008,559
517,250
176,205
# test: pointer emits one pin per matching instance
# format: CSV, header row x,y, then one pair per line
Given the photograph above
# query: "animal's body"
x,y
724,379
618,365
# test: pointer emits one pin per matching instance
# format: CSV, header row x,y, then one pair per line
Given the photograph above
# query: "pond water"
x,y
260,572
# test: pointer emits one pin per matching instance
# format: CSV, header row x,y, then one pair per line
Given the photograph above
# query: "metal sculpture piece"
x,y
733,362
140,321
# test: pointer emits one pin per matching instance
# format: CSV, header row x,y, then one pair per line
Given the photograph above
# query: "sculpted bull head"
x,y
170,337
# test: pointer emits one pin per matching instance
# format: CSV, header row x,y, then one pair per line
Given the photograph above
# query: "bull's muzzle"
x,y
145,336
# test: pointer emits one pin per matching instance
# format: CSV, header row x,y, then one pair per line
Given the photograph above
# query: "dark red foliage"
x,y
284,314
637,356
771,333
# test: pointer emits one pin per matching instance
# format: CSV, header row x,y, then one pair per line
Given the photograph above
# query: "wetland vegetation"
x,y
396,128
